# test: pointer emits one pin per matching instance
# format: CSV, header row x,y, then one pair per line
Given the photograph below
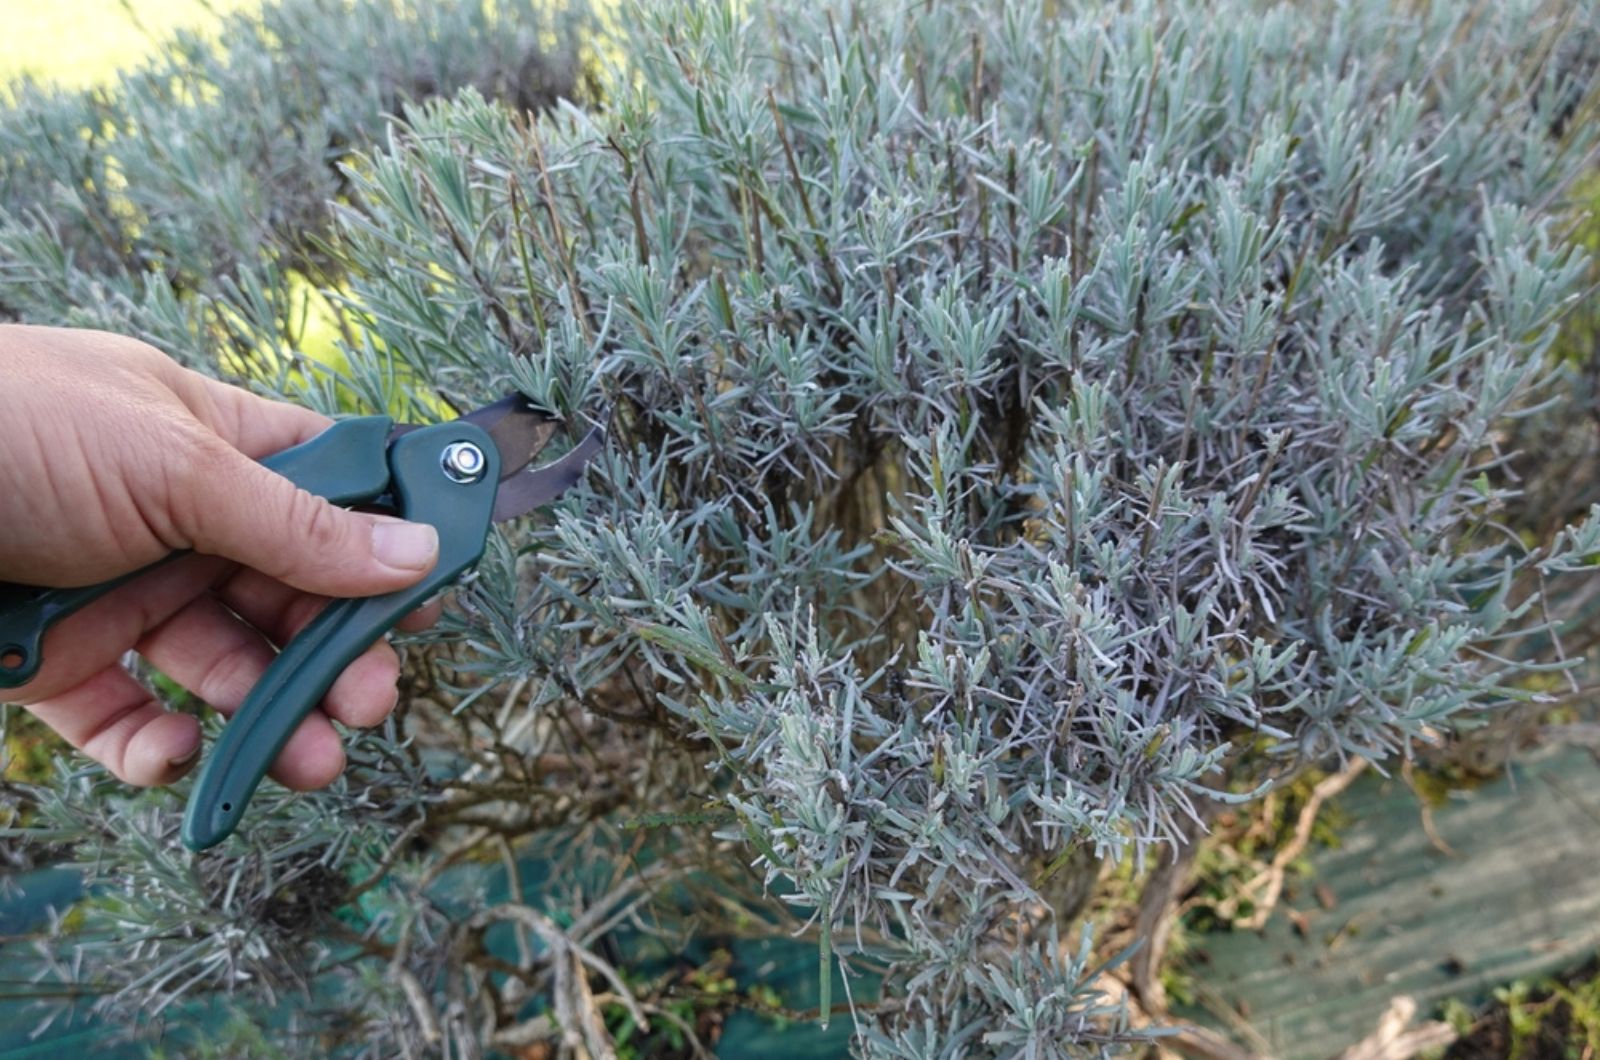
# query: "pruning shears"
x,y
459,476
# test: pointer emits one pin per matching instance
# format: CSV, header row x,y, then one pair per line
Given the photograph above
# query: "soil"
x,y
1554,1039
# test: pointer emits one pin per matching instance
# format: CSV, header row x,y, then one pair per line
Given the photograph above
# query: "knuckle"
x,y
199,457
108,741
227,680
192,468
320,525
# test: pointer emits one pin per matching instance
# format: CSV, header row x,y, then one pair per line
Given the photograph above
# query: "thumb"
x,y
234,507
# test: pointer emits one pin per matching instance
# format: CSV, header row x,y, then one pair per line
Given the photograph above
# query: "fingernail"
x,y
405,546
184,759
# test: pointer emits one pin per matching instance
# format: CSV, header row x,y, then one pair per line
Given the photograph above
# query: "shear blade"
x,y
522,492
519,431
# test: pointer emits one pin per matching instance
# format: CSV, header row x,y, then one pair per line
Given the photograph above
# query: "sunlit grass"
x,y
78,43
84,42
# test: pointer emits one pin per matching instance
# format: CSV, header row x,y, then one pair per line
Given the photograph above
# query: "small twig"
x,y
683,1025
521,1035
1155,921
392,855
1574,734
508,858
1269,882
1408,773
421,1007
574,1002
1391,1040
824,255
1190,1040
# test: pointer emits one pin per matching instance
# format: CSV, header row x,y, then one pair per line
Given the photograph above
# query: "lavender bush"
x,y
1034,424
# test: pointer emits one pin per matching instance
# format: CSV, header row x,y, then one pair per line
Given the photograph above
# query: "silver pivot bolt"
x,y
463,462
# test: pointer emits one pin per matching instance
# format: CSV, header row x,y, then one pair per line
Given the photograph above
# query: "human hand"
x,y
114,456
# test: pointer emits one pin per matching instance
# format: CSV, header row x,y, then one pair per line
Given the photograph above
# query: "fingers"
x,y
217,657
85,695
226,504
206,649
365,693
280,611
423,617
88,641
209,649
116,721
201,644
223,503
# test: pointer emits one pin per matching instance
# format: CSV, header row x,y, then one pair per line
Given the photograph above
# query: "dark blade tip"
x,y
521,493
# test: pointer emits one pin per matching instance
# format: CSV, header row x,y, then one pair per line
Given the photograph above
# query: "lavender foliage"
x,y
1032,425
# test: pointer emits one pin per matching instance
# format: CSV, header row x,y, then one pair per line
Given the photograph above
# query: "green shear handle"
x,y
458,477
300,676
345,463
350,463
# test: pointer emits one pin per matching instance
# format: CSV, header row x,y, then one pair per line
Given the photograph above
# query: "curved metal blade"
x,y
518,431
521,493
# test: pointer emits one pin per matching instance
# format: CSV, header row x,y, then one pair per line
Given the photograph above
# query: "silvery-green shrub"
x,y
218,157
1032,424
